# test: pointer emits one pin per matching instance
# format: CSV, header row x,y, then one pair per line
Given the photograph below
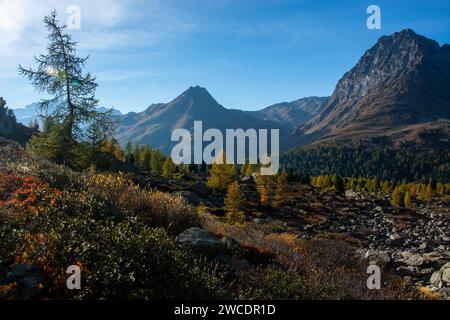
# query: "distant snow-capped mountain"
x,y
30,113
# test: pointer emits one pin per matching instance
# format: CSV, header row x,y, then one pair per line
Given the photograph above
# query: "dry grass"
x,y
329,269
156,208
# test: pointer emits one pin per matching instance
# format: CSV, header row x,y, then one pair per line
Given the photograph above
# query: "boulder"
x,y
405,255
415,260
200,188
262,220
379,258
427,271
190,197
395,237
201,240
231,243
435,258
247,179
441,278
378,209
28,278
408,272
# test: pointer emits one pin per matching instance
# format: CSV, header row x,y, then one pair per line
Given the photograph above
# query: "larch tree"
x,y
221,174
234,202
386,187
397,197
265,186
72,106
429,191
407,200
129,154
282,189
244,168
146,158
137,153
338,184
157,161
168,168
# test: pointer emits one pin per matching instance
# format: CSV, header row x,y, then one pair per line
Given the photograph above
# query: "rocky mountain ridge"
x,y
400,82
155,125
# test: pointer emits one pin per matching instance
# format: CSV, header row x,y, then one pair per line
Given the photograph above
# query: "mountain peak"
x,y
197,90
408,32
404,34
390,58
197,96
409,41
402,80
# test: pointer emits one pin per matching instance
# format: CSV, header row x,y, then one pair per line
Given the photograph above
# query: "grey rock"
x,y
426,271
441,278
379,258
223,258
190,197
435,258
201,189
415,261
408,271
395,237
28,277
244,264
262,220
445,270
201,240
247,179
351,194
231,243
445,293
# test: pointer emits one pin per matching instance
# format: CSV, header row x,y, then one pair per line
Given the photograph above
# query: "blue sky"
x,y
249,54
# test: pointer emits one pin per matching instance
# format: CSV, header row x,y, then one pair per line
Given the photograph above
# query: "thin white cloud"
x,y
104,23
106,26
21,20
13,18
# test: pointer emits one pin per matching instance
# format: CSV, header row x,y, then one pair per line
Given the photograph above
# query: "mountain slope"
x,y
30,114
402,81
292,114
9,128
156,124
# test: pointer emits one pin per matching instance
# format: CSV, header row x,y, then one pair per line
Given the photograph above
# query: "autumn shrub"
x,y
119,259
270,284
24,195
236,217
9,238
52,217
11,152
329,269
57,176
156,208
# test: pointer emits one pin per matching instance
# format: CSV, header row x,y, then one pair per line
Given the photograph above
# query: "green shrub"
x,y
9,238
270,284
53,218
126,260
